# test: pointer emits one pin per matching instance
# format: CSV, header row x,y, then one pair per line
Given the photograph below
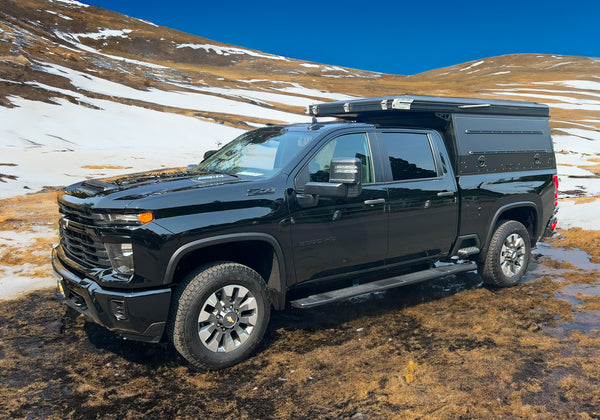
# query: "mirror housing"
x,y
192,166
327,189
344,180
345,170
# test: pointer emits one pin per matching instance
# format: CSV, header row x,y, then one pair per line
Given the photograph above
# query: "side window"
x,y
345,146
410,155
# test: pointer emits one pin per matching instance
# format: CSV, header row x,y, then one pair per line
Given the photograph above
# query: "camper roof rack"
x,y
363,109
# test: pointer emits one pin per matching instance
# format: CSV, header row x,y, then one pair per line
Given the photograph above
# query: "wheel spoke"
x,y
228,342
242,333
205,332
241,297
205,316
228,294
212,301
505,268
519,243
249,305
249,319
215,343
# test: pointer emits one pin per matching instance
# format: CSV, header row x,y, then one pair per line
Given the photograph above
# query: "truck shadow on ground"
x,y
321,318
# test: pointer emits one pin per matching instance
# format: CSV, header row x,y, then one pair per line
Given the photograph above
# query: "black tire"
x,y
219,314
508,255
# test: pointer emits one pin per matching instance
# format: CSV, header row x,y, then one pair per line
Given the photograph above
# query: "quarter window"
x,y
410,155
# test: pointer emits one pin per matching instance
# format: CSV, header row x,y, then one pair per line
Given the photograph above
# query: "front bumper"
x,y
138,315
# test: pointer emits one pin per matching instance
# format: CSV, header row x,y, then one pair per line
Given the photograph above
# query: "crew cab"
x,y
396,190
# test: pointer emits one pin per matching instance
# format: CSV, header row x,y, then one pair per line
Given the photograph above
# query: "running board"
x,y
381,285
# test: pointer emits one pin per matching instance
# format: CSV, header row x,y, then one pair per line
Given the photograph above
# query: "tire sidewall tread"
x,y
490,269
188,299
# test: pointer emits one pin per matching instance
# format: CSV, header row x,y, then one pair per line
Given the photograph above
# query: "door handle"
x,y
445,193
373,202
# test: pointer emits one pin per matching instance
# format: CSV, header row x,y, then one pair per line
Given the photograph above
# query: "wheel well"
x,y
256,254
525,215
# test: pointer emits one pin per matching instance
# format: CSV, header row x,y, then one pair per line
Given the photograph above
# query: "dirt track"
x,y
442,349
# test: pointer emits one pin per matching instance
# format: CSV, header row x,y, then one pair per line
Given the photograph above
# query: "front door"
x,y
334,236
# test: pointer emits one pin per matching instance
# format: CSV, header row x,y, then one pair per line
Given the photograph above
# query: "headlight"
x,y
121,257
128,219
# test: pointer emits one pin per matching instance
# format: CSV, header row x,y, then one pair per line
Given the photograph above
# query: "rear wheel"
x,y
508,255
219,315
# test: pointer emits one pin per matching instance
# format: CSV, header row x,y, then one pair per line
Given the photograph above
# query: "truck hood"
x,y
144,184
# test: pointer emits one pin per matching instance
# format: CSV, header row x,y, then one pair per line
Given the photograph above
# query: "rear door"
x,y
422,195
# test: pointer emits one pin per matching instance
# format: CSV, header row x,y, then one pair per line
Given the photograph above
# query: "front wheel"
x,y
508,255
219,314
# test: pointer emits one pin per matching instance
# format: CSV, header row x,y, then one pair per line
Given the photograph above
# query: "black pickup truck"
x,y
396,190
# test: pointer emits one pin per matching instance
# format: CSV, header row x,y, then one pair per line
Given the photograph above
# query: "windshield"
x,y
258,153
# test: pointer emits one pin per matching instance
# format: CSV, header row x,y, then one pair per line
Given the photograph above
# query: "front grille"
x,y
77,237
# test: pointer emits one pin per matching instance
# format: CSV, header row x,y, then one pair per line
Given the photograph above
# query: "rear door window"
x,y
409,155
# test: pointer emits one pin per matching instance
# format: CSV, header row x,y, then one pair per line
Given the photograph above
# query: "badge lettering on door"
x,y
318,241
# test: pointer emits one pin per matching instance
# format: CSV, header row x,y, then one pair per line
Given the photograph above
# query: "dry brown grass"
x,y
442,349
29,214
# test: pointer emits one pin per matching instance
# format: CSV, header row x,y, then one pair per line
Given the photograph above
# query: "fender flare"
x,y
278,285
502,209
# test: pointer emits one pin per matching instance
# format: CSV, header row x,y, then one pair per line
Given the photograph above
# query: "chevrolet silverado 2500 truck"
x,y
369,202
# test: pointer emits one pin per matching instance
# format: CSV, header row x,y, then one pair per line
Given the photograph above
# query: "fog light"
x,y
121,257
118,309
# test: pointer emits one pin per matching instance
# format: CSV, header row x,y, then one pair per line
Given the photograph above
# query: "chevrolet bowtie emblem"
x,y
230,319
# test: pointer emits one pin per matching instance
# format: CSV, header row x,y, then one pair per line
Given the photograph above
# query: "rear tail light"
x,y
555,180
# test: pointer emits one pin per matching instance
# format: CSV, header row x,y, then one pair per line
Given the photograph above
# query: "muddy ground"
x,y
448,348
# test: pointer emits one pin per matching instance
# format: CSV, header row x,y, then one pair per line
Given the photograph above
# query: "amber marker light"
x,y
145,217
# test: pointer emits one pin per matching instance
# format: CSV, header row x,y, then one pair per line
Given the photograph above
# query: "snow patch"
x,y
253,95
584,215
473,65
564,102
581,84
74,41
70,3
301,90
59,15
225,51
104,34
51,143
186,100
557,65
149,23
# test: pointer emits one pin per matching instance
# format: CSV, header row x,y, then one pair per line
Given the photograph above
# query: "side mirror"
x,y
344,180
345,170
209,153
192,166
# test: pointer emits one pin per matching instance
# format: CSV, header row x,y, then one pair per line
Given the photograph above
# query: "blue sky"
x,y
397,37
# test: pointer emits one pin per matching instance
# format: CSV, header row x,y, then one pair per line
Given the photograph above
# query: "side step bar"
x,y
380,285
